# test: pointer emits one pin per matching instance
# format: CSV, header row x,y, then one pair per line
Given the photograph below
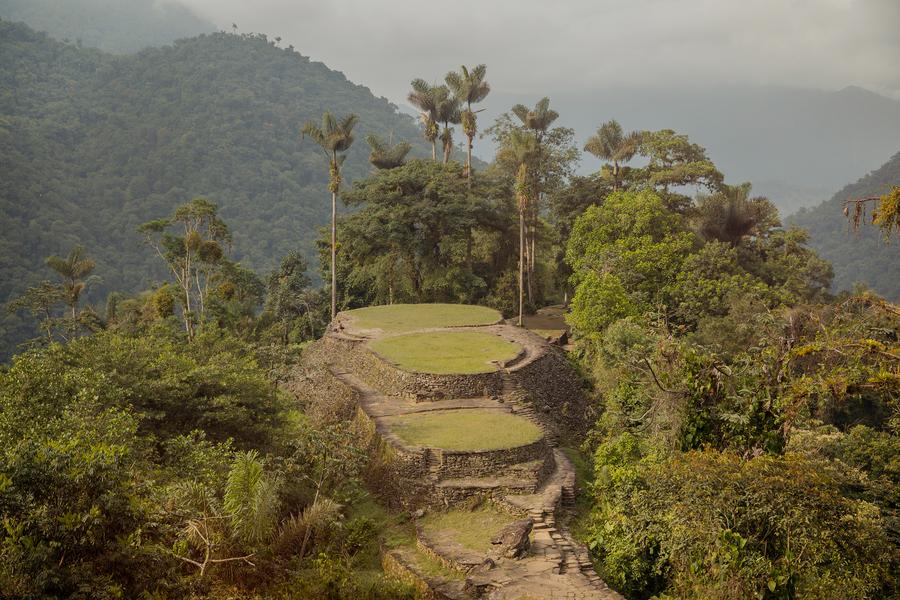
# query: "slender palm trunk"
x,y
521,264
333,254
434,150
469,160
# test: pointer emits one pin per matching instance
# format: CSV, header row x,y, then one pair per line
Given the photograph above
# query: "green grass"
x,y
446,352
472,529
397,318
469,429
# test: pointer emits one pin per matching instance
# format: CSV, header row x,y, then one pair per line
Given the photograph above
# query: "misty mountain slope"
x,y
92,145
796,146
112,25
862,256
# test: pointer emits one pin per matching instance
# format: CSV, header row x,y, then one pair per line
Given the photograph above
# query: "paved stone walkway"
x,y
557,567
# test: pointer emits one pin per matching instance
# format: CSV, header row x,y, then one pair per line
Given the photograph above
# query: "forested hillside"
x,y
93,144
861,256
113,25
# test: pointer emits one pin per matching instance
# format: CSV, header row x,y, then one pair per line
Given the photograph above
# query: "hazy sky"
x,y
545,46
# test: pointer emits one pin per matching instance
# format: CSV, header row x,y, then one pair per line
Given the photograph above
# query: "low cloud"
x,y
538,47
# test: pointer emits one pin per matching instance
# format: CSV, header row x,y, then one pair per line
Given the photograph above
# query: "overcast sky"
x,y
544,46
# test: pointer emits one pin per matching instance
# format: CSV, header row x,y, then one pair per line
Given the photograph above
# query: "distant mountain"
x,y
793,145
862,256
93,144
120,26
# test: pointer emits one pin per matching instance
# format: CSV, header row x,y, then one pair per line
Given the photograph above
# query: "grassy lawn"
x,y
396,318
446,352
469,429
472,529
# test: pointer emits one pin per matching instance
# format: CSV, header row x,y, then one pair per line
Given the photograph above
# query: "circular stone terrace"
x,y
485,443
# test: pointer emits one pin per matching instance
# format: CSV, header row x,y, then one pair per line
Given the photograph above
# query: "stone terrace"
x,y
533,481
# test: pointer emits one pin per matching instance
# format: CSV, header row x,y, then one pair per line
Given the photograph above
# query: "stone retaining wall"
x,y
355,356
483,463
554,389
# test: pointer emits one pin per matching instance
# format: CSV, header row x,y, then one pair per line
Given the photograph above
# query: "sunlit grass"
x,y
395,318
469,429
446,352
472,529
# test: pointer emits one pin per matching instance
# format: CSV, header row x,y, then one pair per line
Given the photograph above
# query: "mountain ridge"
x,y
862,256
93,144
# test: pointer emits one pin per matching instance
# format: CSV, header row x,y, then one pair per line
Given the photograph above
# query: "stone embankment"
x,y
534,482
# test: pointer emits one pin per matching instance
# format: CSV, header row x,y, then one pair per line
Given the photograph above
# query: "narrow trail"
x,y
556,565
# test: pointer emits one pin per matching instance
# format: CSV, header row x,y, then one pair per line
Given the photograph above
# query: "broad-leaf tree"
x,y
334,136
468,87
192,243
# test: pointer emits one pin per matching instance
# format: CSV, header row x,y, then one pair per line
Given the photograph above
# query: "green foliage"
x,y
711,525
123,140
633,238
423,234
861,256
251,499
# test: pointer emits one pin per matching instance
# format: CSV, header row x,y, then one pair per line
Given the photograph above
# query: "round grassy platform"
x,y
469,429
396,318
446,352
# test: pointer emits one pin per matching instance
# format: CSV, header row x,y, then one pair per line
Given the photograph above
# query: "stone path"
x,y
557,567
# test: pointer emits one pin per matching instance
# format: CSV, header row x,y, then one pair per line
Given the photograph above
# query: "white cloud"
x,y
540,47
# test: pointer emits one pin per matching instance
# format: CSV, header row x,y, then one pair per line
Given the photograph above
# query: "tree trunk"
x,y
333,255
434,150
469,161
521,265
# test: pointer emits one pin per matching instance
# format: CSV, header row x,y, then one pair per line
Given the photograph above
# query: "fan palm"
x,y
426,98
610,143
469,87
335,137
522,150
387,156
73,269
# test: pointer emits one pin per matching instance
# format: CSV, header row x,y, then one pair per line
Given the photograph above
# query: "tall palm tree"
x,y
387,155
334,137
448,114
73,269
522,149
539,119
426,98
610,143
469,87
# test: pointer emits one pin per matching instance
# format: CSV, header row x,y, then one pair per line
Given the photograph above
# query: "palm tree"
x,y
522,150
387,156
610,143
469,87
73,269
447,113
426,98
732,215
334,137
537,120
